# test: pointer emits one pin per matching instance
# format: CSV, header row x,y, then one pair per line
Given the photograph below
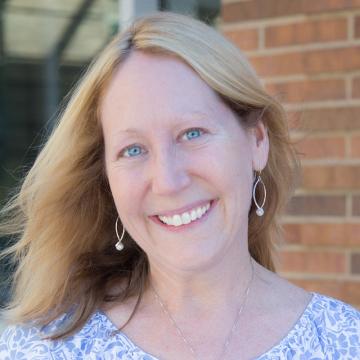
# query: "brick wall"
x,y
308,54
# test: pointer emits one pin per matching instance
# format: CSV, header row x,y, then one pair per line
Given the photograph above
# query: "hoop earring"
x,y
119,245
259,210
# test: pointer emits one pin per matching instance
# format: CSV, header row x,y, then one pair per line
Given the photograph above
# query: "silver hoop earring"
x,y
259,208
119,245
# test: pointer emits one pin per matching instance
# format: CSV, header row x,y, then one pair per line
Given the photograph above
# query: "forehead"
x,y
156,85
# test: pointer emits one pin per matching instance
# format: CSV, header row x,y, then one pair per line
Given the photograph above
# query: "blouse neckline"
x,y
114,332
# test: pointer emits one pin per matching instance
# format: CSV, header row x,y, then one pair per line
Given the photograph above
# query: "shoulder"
x,y
23,342
329,327
323,311
97,338
338,323
334,315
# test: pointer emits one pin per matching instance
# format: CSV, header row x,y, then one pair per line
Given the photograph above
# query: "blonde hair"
x,y
63,216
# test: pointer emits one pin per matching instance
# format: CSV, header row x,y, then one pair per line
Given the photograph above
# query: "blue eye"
x,y
193,133
132,151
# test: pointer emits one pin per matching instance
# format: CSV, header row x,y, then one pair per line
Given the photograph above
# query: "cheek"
x,y
230,163
234,176
126,191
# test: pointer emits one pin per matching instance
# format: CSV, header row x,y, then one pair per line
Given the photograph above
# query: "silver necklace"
x,y
231,333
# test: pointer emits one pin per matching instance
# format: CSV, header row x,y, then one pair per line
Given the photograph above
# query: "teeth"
x,y
193,215
186,217
177,220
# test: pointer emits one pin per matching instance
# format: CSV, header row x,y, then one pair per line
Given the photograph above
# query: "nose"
x,y
169,174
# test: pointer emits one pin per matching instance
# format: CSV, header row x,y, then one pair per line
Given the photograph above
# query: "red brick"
x,y
355,146
321,148
312,261
322,205
331,119
331,177
357,27
323,234
306,32
245,39
345,290
355,85
308,90
308,62
355,263
356,205
261,9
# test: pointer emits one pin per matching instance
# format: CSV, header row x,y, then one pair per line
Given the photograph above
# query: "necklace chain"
x,y
231,333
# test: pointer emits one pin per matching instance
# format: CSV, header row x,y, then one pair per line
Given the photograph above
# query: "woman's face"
x,y
180,166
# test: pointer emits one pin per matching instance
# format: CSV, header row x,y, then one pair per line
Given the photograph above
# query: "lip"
x,y
185,226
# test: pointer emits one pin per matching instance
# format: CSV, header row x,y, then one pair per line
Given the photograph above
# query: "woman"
x,y
146,225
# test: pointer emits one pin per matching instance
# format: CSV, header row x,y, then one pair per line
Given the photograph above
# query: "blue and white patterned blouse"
x,y
328,329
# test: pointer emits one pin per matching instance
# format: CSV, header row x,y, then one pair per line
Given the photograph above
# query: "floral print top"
x,y
327,329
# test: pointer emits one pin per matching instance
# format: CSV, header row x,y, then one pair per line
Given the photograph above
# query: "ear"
x,y
259,145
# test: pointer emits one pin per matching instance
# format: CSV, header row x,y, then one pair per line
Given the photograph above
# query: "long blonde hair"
x,y
62,219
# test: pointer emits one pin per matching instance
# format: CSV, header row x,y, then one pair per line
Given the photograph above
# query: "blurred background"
x,y
308,56
45,46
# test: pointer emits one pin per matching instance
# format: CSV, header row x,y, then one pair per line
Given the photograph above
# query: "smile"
x,y
186,217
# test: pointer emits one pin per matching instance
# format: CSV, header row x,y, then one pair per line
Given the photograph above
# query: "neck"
x,y
203,290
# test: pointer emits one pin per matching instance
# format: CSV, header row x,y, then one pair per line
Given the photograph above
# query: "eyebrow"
x,y
197,115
